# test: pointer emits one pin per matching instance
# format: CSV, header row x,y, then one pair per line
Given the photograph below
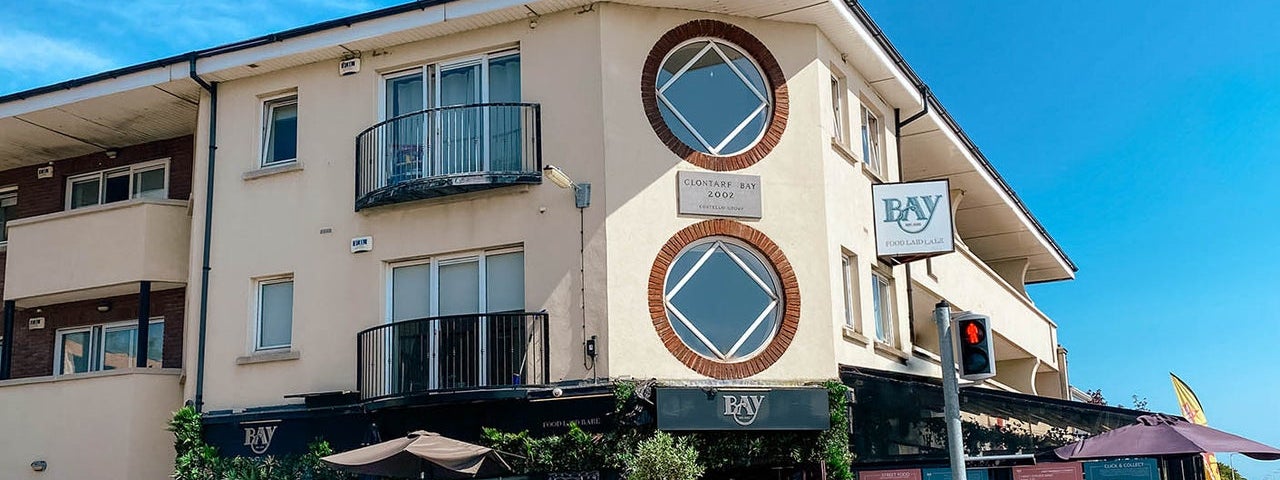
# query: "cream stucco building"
x,y
367,228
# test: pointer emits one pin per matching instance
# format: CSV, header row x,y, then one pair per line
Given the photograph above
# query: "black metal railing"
x,y
458,352
444,142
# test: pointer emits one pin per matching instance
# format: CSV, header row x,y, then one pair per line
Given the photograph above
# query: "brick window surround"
x,y
751,46
790,318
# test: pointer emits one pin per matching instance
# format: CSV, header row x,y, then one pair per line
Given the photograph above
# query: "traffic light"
x,y
977,356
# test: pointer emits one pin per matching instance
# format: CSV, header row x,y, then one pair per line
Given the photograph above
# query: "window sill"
x,y
853,336
844,151
269,356
892,351
293,166
871,174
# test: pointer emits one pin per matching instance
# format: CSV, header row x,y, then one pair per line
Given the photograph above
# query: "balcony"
x,y
55,416
448,150
97,252
453,353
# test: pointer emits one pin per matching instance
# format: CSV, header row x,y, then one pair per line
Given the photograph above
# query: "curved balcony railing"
x,y
459,352
447,150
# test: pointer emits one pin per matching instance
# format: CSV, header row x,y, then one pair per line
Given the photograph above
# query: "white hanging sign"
x,y
913,218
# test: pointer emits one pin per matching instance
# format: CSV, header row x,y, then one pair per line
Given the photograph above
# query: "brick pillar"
x,y
144,321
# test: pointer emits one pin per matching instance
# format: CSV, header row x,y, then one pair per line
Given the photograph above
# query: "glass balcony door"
x,y
453,140
458,352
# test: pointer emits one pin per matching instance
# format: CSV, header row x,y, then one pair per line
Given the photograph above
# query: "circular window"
x,y
714,95
723,299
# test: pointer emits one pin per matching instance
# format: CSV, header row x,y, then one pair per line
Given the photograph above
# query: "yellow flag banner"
x,y
1194,412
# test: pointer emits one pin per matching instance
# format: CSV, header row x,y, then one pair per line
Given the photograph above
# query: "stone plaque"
x,y
719,194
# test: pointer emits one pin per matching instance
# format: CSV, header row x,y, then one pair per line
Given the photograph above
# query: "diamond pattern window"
x,y
722,300
713,97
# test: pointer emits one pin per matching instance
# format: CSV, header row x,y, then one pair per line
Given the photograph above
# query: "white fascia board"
x,y
101,88
995,185
865,36
356,32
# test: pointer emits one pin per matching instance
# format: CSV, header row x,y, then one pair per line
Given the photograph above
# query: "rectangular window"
x,y
144,180
871,140
837,109
280,131
463,140
8,211
471,348
882,299
849,273
107,347
275,314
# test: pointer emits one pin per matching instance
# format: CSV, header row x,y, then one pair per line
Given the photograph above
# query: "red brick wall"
x,y
48,195
34,349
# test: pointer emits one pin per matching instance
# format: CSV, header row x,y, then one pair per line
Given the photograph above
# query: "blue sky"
x,y
1143,137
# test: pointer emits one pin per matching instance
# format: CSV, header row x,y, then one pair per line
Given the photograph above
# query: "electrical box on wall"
x,y
35,323
45,172
361,244
350,66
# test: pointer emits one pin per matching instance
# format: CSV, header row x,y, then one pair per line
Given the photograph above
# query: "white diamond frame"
x,y
768,290
714,45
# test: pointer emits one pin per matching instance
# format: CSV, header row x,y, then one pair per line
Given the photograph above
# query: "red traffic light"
x,y
971,333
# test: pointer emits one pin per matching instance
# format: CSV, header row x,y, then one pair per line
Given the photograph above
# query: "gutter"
x,y
208,226
227,48
865,18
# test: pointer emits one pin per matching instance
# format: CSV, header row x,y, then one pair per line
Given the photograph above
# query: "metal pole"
x,y
950,391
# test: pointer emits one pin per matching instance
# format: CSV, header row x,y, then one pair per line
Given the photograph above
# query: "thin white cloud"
x,y
24,52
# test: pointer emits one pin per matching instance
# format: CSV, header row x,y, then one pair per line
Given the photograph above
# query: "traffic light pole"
x,y
950,390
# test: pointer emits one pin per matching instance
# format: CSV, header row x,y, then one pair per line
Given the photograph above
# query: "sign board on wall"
x,y
1131,469
913,219
907,474
945,474
696,408
1049,471
719,194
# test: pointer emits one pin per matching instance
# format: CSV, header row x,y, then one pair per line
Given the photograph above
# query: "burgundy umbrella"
x,y
1161,434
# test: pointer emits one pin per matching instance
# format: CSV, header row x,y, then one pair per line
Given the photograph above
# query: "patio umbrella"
x,y
421,455
1160,434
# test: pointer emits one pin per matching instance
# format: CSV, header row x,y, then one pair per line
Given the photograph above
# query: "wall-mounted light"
x,y
111,154
581,191
39,466
104,306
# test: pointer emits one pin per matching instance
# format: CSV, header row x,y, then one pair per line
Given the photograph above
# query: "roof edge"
x,y
223,49
867,22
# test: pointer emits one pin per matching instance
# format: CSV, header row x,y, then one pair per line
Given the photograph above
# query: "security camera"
x,y
557,392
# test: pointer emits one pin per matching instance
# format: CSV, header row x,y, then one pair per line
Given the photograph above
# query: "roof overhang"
x,y
157,100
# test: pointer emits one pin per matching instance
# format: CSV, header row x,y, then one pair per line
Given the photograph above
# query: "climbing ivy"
x,y
577,450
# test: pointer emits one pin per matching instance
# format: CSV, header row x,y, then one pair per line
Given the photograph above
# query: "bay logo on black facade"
x,y
259,438
743,409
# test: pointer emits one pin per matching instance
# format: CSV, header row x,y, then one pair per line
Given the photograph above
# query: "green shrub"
x,y
663,457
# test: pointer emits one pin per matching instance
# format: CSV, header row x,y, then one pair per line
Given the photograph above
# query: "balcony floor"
x,y
434,187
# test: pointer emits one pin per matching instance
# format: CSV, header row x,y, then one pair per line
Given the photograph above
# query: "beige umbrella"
x,y
421,455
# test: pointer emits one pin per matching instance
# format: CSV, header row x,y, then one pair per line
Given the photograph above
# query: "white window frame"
x,y
433,307
256,341
849,274
767,109
129,170
6,192
872,139
269,105
97,343
886,332
430,73
839,108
